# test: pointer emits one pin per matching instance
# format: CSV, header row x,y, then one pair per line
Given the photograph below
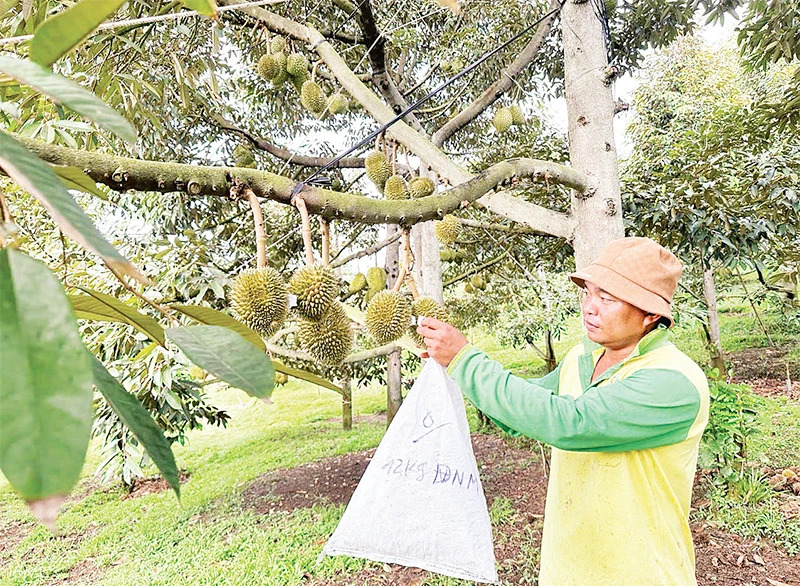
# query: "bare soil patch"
x,y
513,471
152,485
84,572
760,363
770,387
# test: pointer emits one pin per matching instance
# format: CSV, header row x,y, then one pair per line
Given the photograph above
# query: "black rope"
x,y
323,181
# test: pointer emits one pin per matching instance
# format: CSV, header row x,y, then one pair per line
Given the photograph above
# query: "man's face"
x,y
611,322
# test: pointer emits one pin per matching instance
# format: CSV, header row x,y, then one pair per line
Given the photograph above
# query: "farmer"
x,y
624,412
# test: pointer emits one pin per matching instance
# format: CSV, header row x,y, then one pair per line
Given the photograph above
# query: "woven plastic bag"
x,y
420,501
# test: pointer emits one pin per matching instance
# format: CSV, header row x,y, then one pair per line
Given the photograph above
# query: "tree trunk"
x,y
394,397
431,266
715,343
590,111
347,401
550,352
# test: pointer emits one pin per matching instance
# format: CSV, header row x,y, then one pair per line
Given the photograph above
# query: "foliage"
x,y
732,422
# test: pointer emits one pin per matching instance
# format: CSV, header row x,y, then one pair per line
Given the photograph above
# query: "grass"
x,y
210,538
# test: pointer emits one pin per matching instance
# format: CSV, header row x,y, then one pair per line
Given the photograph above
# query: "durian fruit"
x,y
388,316
517,117
196,372
376,278
478,282
421,187
337,104
297,65
281,77
359,283
330,339
396,188
312,97
445,255
243,157
278,44
258,297
426,307
298,81
378,168
315,286
269,66
447,229
281,378
503,120
468,288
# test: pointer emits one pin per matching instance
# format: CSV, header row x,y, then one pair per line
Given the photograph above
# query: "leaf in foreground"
x,y
103,307
138,420
228,356
46,393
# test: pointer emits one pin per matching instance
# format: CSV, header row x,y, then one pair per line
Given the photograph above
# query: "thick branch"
x,y
121,173
503,84
286,155
498,227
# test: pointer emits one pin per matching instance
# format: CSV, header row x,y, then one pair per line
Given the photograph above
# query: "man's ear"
x,y
650,319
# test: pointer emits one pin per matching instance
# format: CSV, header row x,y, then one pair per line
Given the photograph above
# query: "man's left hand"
x,y
442,340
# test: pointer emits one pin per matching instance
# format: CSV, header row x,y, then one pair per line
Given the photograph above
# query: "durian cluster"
x,y
447,229
506,117
451,255
476,283
278,67
376,282
259,298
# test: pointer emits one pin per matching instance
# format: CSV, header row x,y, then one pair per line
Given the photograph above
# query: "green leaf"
x,y
65,91
101,307
138,420
34,175
212,317
207,7
46,392
226,355
306,376
60,33
74,178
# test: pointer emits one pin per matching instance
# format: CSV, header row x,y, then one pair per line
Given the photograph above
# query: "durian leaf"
x,y
306,376
138,420
46,390
74,178
207,7
102,307
212,317
228,356
360,318
35,176
62,32
65,91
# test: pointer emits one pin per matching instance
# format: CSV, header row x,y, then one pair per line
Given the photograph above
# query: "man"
x,y
624,412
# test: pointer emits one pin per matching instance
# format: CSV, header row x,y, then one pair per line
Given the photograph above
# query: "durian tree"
x,y
229,108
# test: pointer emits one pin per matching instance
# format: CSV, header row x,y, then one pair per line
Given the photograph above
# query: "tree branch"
x,y
503,83
121,173
498,227
473,270
286,155
367,251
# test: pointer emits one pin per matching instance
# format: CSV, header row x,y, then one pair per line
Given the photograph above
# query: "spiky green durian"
x,y
359,283
517,117
258,297
447,229
315,286
297,65
278,44
468,288
268,67
478,282
297,81
312,97
378,168
330,339
243,157
396,188
388,316
421,187
426,307
337,104
376,278
281,378
502,120
196,372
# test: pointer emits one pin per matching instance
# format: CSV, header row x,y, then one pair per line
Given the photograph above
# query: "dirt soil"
x,y
763,363
723,559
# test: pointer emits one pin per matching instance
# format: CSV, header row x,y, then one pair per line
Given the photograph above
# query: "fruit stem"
x,y
326,241
261,235
298,202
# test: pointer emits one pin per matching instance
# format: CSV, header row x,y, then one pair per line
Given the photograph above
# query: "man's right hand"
x,y
442,341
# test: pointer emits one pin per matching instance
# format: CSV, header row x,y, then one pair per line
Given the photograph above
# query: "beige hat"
x,y
637,270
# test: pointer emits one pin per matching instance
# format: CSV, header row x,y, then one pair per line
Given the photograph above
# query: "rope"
x,y
489,54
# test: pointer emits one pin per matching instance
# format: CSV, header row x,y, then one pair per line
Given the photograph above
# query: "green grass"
x,y
210,538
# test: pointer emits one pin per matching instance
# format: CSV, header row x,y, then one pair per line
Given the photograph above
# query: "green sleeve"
x,y
650,408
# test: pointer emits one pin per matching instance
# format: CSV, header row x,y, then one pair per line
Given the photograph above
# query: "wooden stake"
x,y
261,235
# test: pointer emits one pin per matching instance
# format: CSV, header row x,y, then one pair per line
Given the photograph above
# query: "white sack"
x,y
420,502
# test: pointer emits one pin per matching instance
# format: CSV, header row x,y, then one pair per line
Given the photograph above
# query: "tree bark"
x,y
590,108
347,401
715,342
394,396
550,352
